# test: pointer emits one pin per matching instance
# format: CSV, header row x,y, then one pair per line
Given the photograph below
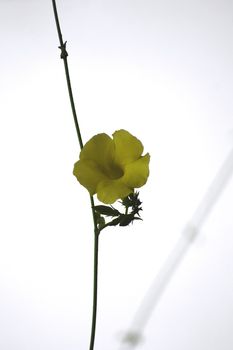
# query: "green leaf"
x,y
101,222
115,222
127,219
106,210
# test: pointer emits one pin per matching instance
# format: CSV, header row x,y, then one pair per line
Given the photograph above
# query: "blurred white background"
x,y
162,70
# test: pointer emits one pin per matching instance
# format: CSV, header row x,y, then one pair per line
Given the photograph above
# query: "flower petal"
x,y
110,190
127,147
100,149
136,173
88,174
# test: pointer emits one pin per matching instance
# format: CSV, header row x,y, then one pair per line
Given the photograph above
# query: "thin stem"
x,y
95,288
64,55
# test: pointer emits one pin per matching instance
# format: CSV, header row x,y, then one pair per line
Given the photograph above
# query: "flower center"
x,y
113,171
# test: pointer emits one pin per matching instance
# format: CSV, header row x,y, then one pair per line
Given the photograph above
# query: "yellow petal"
x,y
127,147
100,149
88,174
136,173
110,190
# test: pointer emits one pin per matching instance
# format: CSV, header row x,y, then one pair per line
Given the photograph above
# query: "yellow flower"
x,y
112,168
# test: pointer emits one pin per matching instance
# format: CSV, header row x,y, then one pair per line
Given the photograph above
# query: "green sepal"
x,y
132,200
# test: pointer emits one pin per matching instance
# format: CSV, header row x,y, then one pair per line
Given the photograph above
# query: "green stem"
x,y
95,288
64,56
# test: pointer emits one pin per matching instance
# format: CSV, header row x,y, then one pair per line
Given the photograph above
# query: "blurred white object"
x,y
134,335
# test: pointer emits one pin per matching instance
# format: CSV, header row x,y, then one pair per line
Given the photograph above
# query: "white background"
x,y
162,70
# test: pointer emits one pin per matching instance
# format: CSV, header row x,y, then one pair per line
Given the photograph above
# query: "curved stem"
x,y
64,56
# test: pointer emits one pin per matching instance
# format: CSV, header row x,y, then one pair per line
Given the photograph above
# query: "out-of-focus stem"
x,y
189,233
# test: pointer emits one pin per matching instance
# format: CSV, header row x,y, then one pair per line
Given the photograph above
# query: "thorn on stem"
x,y
64,53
